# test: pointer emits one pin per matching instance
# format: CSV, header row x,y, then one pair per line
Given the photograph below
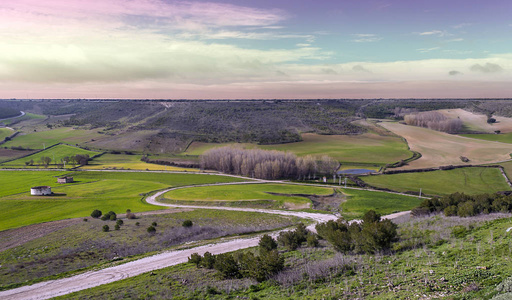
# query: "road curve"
x,y
54,288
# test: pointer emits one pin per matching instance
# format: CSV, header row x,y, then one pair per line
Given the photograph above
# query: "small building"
x,y
41,191
66,179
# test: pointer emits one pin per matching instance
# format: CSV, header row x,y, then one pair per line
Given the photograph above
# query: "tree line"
x,y
267,164
462,205
435,121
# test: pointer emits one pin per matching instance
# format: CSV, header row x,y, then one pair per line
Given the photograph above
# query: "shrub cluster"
x,y
109,216
369,236
244,265
266,164
462,205
294,239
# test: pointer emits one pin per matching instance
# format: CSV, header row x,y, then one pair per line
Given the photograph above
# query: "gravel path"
x,y
54,288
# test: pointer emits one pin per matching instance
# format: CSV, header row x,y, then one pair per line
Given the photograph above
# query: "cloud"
x,y
366,38
359,68
454,73
455,40
487,68
438,33
426,50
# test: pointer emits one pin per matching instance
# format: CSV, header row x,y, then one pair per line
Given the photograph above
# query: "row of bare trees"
x,y
266,164
435,121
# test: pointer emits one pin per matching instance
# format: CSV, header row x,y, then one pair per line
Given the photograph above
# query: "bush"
x,y
85,220
137,223
450,211
117,227
154,224
208,260
195,258
372,235
312,240
106,228
119,222
113,217
105,217
151,229
187,223
266,244
227,266
96,213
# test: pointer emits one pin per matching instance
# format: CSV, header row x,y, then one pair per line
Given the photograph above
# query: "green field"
x,y
26,117
369,147
132,162
247,192
468,180
55,153
106,191
35,140
504,137
5,132
359,202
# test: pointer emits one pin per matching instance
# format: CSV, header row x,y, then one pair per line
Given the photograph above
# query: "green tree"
x,y
266,244
195,258
96,213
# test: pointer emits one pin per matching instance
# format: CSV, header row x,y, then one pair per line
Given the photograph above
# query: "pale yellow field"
x,y
478,122
137,166
440,149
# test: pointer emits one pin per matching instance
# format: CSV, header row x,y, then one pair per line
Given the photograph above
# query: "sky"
x,y
280,49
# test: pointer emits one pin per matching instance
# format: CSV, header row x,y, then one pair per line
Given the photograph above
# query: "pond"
x,y
355,171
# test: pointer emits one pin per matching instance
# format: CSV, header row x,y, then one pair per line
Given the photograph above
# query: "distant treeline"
x,y
265,164
8,112
462,205
435,121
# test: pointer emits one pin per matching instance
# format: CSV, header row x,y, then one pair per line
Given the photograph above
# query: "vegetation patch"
x,y
51,157
471,180
86,244
368,147
359,202
279,193
420,263
502,137
69,135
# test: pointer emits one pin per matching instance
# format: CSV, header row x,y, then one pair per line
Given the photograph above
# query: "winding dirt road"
x,y
54,288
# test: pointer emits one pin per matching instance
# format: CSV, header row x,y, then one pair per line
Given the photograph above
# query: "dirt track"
x,y
49,289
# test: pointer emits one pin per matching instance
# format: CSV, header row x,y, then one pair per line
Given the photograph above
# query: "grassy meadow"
x,y
502,137
55,153
467,180
26,117
368,147
248,193
358,202
106,191
5,132
35,140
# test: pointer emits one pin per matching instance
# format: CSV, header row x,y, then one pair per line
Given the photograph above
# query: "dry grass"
x,y
478,122
440,149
